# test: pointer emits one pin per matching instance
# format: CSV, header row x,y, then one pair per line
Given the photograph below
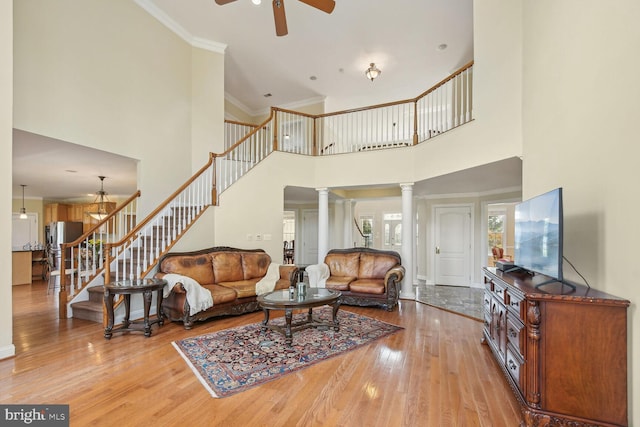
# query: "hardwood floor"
x,y
434,373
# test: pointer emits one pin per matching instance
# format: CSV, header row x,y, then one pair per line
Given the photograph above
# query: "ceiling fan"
x,y
278,11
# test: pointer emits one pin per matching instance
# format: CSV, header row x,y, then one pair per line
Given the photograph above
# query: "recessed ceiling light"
x,y
267,95
442,46
256,2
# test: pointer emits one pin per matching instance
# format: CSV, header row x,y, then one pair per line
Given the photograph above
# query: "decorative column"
x,y
338,218
323,223
348,224
408,231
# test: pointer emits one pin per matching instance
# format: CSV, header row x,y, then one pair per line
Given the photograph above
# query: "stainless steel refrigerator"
x,y
61,232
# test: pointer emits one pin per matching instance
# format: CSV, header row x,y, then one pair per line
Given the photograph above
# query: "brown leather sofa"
x,y
230,275
364,276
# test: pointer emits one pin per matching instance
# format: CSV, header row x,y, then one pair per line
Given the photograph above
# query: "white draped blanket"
x,y
268,282
318,275
199,298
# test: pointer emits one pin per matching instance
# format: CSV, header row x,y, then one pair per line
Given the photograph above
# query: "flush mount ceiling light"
x,y
256,2
101,196
23,211
372,72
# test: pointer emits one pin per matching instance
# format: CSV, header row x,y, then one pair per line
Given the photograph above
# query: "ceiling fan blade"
x,y
324,5
222,2
280,18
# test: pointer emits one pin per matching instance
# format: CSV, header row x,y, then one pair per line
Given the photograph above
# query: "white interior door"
x,y
309,237
452,249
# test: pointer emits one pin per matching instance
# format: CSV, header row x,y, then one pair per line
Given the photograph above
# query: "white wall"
x,y
7,348
580,126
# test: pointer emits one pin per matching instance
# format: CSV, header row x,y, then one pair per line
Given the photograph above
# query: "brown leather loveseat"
x,y
364,276
230,275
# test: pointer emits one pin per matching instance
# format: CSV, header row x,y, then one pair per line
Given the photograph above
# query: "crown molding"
x,y
477,194
294,105
168,22
231,99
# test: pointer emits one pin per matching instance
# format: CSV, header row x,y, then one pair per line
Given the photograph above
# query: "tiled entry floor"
x,y
458,299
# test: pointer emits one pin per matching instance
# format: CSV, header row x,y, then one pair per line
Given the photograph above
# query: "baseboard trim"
x,y
7,351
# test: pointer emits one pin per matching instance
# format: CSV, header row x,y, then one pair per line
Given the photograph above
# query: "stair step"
x,y
87,310
96,294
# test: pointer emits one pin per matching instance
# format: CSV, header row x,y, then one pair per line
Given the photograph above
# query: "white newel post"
x,y
323,223
407,291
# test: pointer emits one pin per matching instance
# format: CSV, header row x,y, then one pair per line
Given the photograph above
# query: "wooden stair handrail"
x,y
247,136
102,222
161,206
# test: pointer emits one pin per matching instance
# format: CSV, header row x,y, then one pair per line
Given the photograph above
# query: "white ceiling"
x,y
401,36
58,170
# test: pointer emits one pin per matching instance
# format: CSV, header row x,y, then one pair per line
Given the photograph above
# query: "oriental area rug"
x,y
233,360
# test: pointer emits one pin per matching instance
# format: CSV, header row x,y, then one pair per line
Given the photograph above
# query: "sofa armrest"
x,y
396,274
177,289
289,272
318,275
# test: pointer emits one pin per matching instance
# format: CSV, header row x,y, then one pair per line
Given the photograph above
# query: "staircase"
x,y
135,254
92,308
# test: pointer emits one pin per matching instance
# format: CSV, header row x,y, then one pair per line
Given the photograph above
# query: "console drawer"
x,y
498,291
514,363
515,334
487,301
515,303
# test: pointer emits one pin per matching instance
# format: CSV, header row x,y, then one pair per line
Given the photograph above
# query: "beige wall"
x,y
207,98
580,132
107,75
7,348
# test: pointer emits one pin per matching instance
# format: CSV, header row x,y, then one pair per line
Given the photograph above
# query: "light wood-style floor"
x,y
433,373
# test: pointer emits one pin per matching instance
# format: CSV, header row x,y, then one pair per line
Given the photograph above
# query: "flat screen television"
x,y
538,235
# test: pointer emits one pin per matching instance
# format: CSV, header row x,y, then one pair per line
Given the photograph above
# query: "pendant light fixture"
x,y
372,72
23,211
101,195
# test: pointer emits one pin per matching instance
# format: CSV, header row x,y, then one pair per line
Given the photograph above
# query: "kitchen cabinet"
x,y
76,212
56,212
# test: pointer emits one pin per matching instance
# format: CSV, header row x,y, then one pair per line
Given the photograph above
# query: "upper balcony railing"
x,y
439,109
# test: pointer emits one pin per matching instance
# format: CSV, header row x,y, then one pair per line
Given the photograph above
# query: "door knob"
x,y
437,249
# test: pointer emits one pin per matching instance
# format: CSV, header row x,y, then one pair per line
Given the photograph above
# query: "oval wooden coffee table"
x,y
313,297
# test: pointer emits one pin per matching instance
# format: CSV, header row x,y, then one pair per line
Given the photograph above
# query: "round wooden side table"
x,y
126,288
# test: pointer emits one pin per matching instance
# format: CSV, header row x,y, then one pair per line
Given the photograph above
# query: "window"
x,y
366,230
496,231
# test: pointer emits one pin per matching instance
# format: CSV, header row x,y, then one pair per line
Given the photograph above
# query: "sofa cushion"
x,y
339,283
368,286
227,266
243,288
255,264
375,266
198,267
221,294
343,265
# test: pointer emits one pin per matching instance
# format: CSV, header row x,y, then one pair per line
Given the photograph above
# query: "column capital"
x,y
404,185
322,190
